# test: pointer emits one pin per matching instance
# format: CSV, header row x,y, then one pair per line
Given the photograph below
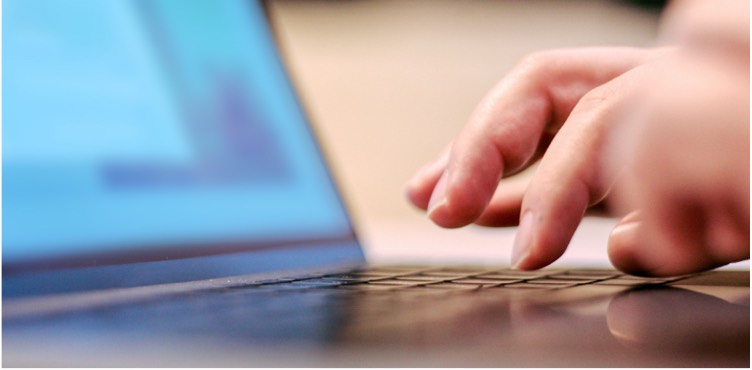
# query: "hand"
x,y
563,105
560,103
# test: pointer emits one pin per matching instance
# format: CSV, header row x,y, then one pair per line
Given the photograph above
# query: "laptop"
x,y
165,203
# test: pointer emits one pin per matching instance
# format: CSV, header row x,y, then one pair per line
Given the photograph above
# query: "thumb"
x,y
622,241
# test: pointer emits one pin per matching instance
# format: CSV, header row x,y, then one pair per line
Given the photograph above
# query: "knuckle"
x,y
601,95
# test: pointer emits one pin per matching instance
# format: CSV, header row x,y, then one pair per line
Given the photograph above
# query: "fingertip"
x,y
623,244
558,211
447,215
631,253
418,190
537,244
414,196
454,204
440,215
638,250
420,187
438,206
523,240
537,259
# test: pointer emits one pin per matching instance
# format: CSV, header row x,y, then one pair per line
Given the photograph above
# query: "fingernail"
x,y
630,218
521,247
625,227
438,197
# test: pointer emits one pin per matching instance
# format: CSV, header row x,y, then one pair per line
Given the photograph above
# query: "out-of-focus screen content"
x,y
132,124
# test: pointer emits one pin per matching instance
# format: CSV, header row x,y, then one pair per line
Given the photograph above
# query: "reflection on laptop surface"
x,y
165,203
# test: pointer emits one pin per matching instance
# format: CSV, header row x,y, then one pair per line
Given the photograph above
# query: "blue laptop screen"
x,y
133,124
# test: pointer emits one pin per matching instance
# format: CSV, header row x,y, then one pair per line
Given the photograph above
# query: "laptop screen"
x,y
153,125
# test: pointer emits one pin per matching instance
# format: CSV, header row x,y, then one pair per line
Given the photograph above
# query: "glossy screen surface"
x,y
134,125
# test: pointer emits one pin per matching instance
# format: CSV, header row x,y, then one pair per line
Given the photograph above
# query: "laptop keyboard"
x,y
391,278
362,303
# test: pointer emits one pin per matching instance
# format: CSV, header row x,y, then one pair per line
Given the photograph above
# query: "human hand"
x,y
573,100
560,103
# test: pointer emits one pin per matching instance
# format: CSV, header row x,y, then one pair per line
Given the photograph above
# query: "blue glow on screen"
x,y
130,124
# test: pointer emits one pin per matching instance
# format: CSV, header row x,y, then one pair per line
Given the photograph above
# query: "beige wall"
x,y
388,83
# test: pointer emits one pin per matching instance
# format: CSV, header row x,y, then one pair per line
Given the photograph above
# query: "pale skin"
x,y
662,132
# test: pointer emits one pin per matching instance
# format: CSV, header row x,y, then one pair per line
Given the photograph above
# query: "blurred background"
x,y
389,83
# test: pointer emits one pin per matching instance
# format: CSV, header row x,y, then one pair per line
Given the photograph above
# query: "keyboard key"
x,y
514,274
464,270
502,279
548,281
446,274
649,279
603,274
477,281
580,278
626,282
421,278
394,282
453,286
526,285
